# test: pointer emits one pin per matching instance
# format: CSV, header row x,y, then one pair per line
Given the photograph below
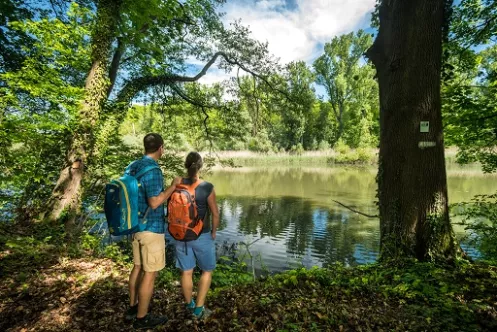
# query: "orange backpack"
x,y
182,213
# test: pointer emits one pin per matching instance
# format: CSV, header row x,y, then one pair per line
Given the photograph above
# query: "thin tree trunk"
x,y
412,184
256,98
340,121
115,64
66,196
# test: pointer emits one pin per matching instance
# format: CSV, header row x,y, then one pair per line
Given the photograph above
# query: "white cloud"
x,y
324,19
214,75
294,33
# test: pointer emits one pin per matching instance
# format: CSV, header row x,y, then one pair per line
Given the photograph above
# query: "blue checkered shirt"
x,y
152,184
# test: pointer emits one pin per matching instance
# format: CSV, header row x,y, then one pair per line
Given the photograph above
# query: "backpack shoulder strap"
x,y
145,170
194,186
127,171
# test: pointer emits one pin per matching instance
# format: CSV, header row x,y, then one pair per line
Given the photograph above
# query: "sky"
x,y
295,29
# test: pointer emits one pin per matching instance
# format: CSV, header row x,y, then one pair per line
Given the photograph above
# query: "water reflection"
x,y
291,214
296,231
292,211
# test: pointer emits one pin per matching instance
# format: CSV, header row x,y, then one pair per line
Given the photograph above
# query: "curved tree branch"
x,y
354,210
134,86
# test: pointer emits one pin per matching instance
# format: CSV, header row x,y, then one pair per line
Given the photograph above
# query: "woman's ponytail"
x,y
193,164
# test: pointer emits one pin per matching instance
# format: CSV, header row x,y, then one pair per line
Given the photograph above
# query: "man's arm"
x,y
156,201
211,200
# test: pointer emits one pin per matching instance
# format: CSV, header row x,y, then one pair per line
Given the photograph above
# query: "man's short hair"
x,y
152,142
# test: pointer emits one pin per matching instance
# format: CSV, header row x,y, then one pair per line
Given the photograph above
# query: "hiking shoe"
x,y
203,315
190,308
149,322
131,313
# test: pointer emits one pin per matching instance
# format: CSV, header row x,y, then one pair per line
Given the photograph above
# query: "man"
x,y
149,247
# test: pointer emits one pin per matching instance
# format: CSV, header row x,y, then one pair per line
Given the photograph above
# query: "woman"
x,y
202,250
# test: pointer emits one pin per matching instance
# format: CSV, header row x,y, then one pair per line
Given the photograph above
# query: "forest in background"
x,y
46,54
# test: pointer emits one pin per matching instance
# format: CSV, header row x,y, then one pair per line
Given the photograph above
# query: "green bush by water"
x,y
361,156
479,216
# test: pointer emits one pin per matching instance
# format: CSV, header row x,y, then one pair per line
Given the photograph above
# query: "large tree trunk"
x,y
412,184
66,196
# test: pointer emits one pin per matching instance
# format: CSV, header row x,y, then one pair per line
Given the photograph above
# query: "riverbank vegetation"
x,y
55,287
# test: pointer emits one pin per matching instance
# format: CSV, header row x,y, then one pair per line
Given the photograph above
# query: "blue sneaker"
x,y
202,315
190,307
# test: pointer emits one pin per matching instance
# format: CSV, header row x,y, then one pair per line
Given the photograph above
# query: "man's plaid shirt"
x,y
152,184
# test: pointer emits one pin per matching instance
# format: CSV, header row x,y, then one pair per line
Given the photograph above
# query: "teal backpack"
x,y
121,203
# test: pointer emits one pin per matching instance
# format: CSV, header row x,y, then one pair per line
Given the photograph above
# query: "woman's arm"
x,y
211,201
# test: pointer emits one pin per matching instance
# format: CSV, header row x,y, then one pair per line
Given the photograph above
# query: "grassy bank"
x,y
306,158
344,156
46,286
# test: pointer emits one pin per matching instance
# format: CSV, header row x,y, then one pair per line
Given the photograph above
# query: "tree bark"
x,y
66,196
412,184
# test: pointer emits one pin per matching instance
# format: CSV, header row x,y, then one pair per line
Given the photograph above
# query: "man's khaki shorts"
x,y
149,251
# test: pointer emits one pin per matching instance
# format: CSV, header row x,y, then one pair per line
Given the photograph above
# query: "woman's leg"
x,y
187,285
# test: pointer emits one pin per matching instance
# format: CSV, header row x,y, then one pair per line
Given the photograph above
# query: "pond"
x,y
289,217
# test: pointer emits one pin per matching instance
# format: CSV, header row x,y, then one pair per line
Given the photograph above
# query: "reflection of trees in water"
x,y
301,227
292,208
266,217
331,234
288,182
348,238
228,208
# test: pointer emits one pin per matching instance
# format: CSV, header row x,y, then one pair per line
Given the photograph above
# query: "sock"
x,y
190,305
198,310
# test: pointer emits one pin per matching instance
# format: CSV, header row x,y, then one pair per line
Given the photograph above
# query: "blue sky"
x,y
296,29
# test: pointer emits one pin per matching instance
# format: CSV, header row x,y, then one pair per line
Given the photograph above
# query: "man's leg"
x,y
134,284
145,291
203,287
152,249
134,280
187,285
